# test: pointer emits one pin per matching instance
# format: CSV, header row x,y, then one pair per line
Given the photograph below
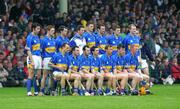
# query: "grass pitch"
x,y
165,97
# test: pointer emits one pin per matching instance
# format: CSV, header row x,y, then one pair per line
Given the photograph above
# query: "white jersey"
x,y
79,41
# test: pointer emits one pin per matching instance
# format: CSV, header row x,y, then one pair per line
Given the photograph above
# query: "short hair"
x,y
61,28
79,27
63,45
93,48
117,26
120,46
49,27
89,23
34,25
107,46
131,26
84,48
99,26
73,49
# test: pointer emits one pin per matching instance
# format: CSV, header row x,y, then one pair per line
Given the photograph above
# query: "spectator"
x,y
175,69
3,75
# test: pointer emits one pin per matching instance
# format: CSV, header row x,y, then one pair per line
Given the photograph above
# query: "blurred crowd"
x,y
158,21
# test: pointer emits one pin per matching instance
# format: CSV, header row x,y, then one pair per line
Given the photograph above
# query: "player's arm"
x,y
55,66
85,70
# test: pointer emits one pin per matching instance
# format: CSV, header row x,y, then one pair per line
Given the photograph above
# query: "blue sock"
x,y
36,89
28,85
75,90
107,90
42,90
55,84
63,90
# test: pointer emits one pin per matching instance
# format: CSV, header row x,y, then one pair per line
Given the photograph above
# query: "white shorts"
x,y
37,62
144,63
45,63
56,73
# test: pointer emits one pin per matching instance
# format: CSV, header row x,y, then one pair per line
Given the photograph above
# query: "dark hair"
x,y
73,49
63,45
93,48
49,27
84,48
79,27
34,25
61,28
107,46
120,46
99,26
90,22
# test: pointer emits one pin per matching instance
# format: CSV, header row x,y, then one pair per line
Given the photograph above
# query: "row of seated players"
x,y
113,68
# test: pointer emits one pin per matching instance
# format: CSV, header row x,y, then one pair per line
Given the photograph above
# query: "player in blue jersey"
x,y
74,65
107,67
62,38
130,38
101,40
97,69
34,59
78,40
115,39
119,70
85,69
132,66
59,62
88,35
48,50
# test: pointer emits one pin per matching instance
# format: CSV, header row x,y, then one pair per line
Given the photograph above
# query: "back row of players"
x,y
88,56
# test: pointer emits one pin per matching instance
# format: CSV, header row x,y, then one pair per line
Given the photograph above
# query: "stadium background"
x,y
159,23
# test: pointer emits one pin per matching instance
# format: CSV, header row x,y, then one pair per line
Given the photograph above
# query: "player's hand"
x,y
32,64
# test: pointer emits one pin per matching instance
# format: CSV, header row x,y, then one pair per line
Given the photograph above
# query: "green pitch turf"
x,y
165,97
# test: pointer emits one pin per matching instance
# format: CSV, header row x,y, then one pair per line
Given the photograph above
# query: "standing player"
x,y
88,35
101,40
48,50
60,40
115,39
78,40
34,59
74,65
85,68
59,63
119,63
96,69
107,67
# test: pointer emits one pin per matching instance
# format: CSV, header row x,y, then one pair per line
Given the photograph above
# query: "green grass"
x,y
165,97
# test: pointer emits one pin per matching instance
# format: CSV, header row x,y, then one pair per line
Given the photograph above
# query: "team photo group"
x,y
90,63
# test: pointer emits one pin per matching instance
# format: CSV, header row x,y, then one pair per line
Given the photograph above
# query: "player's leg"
x,y
77,80
135,79
109,77
100,83
124,78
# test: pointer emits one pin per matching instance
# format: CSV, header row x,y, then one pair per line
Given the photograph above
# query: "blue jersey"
x,y
60,60
60,41
131,61
101,42
96,63
90,39
114,41
129,40
85,62
33,44
74,62
107,62
119,61
48,47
